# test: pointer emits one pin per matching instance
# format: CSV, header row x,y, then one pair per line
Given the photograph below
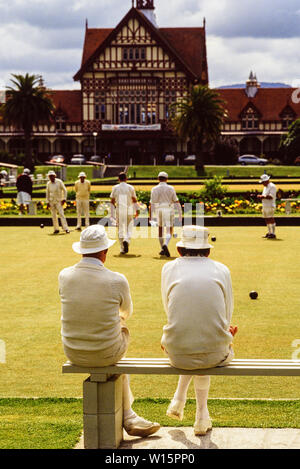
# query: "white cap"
x,y
264,178
82,174
3,172
26,171
162,174
93,239
194,237
51,173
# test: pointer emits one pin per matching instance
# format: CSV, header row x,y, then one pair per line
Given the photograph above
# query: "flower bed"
x,y
228,206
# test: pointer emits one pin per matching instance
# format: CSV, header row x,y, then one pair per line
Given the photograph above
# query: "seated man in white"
x,y
95,304
198,300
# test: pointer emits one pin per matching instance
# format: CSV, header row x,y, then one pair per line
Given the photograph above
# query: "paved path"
x,y
218,438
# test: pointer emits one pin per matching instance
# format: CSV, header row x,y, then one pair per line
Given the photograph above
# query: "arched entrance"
x,y
250,145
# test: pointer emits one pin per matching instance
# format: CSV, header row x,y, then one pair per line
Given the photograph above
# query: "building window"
x,y
100,109
170,99
60,122
250,120
134,53
287,120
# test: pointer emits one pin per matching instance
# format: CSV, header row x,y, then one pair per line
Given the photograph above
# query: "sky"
x,y
45,37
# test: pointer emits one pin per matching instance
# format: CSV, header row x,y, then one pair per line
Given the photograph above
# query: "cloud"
x,y
46,36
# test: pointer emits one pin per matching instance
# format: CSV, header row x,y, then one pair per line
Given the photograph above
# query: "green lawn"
x,y
30,317
210,171
184,171
57,423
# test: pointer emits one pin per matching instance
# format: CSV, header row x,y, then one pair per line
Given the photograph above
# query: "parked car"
x,y
57,159
78,159
169,158
297,161
96,159
190,158
251,159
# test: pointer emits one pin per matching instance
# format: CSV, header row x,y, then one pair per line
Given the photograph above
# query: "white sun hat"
x,y
194,237
264,178
93,239
82,174
162,174
51,173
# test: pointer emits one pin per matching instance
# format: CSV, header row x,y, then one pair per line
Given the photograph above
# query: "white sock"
x,y
273,228
161,241
128,414
201,385
168,238
127,395
269,228
182,387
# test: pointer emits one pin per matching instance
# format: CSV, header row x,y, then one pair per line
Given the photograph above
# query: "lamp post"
x,y
95,142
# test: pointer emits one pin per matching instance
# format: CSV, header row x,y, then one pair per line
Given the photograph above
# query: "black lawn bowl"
x,y
253,295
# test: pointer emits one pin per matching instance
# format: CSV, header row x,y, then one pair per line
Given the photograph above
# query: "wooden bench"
x,y
102,390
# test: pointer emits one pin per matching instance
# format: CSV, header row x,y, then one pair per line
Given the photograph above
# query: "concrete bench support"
x,y
103,412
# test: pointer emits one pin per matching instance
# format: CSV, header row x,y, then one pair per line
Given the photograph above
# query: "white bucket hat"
x,y
93,239
51,173
264,178
162,174
194,237
82,174
26,171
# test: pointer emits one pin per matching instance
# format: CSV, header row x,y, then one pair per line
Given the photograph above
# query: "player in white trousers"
x,y
163,199
83,190
124,203
268,199
56,196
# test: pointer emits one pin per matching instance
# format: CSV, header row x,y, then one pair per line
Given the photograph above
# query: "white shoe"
x,y
175,409
202,426
137,426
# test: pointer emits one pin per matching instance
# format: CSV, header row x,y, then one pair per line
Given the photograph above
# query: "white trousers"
x,y
83,209
55,208
125,226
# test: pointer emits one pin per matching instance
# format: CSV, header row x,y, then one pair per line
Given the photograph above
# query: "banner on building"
x,y
131,127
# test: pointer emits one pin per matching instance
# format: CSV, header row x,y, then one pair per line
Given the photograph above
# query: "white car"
x,y
251,159
78,159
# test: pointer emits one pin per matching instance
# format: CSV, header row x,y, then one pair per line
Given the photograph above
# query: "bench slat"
x,y
237,367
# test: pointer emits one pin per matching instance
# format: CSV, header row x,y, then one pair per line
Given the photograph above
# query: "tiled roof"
x,y
93,39
69,102
188,43
270,102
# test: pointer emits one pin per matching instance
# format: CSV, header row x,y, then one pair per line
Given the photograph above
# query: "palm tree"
x,y
198,117
28,104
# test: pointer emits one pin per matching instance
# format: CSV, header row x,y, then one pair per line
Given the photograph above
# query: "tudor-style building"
x,y
129,77
257,117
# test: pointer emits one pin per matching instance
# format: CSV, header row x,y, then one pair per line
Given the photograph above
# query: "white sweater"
x,y
56,191
198,300
94,302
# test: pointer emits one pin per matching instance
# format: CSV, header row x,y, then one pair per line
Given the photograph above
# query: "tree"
x,y
198,117
27,104
290,143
